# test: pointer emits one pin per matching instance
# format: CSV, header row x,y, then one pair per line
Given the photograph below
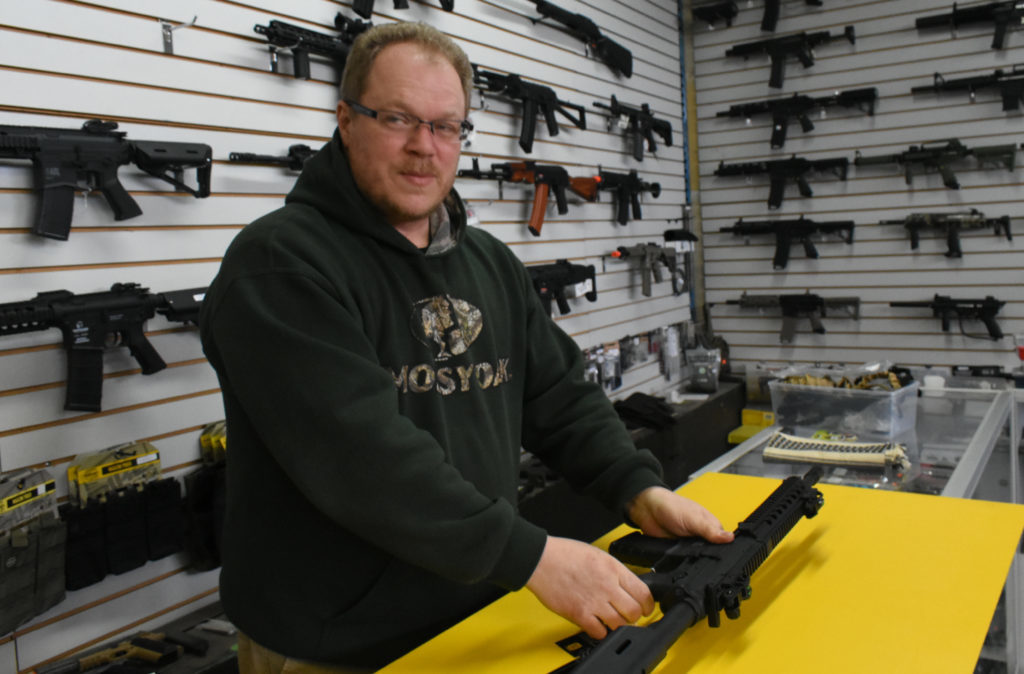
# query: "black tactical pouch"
x,y
125,530
205,490
18,552
50,580
165,518
86,552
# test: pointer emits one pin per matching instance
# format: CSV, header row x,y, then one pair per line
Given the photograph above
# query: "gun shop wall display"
x,y
866,151
136,141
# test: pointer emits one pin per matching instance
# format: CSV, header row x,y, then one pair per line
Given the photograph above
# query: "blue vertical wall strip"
x,y
682,91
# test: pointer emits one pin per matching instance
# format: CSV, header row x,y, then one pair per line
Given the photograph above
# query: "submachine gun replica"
x,y
62,159
536,98
692,579
639,123
551,280
795,306
1010,85
302,42
786,231
627,188
936,156
778,49
293,161
947,308
782,110
1002,14
615,56
91,322
781,170
952,223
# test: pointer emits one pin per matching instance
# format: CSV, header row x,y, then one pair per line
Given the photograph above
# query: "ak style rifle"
x,y
535,98
693,579
551,281
293,161
615,56
810,306
302,42
63,160
92,321
946,308
781,170
547,178
627,188
938,155
783,110
1002,14
801,229
1010,85
952,224
639,123
778,49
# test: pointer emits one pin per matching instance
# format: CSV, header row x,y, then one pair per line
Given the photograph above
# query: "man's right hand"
x,y
588,586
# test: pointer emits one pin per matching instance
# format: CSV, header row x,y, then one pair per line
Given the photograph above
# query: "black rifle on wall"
x,y
639,123
783,110
293,161
808,305
364,8
64,159
1002,14
1010,85
938,155
947,308
627,188
650,256
716,11
778,49
786,231
551,281
302,42
952,224
692,579
781,170
535,99
615,56
771,13
90,322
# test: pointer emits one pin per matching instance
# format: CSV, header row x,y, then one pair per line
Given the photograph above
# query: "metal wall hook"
x,y
167,30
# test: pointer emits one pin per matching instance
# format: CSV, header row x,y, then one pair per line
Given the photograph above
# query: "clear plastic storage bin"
x,y
861,412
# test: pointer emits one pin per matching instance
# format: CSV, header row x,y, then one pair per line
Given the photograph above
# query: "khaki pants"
x,y
255,659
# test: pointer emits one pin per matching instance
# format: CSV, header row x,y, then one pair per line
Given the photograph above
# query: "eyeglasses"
x,y
447,130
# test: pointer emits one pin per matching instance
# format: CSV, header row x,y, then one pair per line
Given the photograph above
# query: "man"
x,y
382,364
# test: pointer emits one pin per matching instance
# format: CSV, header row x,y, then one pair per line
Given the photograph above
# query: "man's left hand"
x,y
665,514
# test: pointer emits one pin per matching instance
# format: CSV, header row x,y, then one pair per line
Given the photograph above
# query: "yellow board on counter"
x,y
877,582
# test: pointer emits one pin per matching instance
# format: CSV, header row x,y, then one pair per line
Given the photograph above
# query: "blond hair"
x,y
370,43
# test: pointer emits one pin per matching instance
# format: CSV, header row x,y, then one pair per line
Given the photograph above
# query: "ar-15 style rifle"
x,y
795,306
302,42
784,109
785,231
779,49
1002,14
364,8
937,155
551,280
714,11
952,223
627,188
547,178
650,255
615,56
771,13
62,159
92,321
535,98
692,579
781,170
293,161
1010,85
947,308
639,123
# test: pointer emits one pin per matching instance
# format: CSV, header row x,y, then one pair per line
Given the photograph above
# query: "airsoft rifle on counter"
x,y
1002,14
65,159
535,98
639,123
947,308
551,281
302,42
796,306
953,224
91,322
782,110
937,156
615,56
293,161
778,49
780,170
786,231
692,579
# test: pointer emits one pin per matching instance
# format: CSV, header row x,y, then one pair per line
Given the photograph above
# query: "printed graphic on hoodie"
x,y
448,326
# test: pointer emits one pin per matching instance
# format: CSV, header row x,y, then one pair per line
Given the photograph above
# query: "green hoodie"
x,y
377,399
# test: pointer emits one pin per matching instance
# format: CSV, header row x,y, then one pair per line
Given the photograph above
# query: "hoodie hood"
x,y
326,184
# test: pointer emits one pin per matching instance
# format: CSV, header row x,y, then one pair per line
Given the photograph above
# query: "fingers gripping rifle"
x,y
692,579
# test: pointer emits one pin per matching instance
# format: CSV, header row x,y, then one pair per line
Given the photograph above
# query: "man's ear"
x,y
344,117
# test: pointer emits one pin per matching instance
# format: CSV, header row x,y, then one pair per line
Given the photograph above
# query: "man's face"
x,y
405,174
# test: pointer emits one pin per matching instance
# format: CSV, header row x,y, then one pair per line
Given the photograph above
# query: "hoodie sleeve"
x,y
341,439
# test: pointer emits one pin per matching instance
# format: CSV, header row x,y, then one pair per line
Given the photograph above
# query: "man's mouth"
x,y
418,179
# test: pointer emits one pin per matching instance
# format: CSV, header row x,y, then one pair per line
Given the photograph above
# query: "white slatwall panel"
x,y
893,56
65,61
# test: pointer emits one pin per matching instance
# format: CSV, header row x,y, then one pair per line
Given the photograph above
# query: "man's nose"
x,y
421,139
